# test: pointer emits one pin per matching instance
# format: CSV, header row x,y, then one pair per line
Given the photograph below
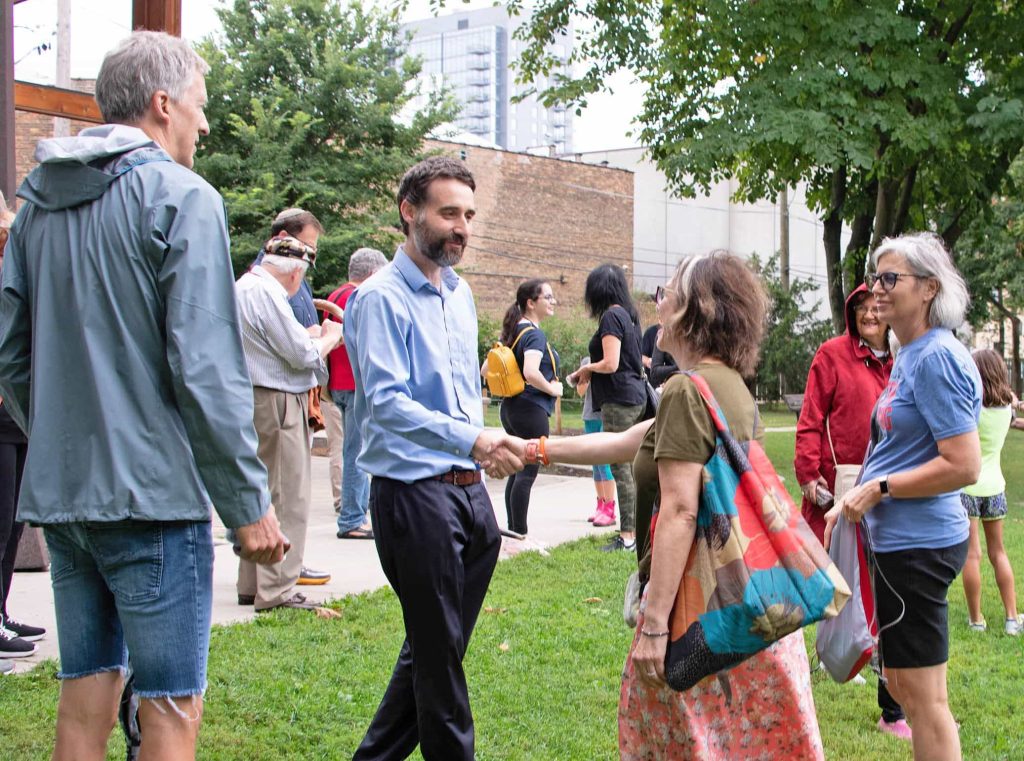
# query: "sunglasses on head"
x,y
888,279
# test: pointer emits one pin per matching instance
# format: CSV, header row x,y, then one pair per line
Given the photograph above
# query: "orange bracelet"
x,y
543,450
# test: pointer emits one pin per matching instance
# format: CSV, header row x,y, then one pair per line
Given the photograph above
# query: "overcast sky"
x,y
95,27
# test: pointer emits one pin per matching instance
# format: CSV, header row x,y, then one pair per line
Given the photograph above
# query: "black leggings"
x,y
12,463
522,418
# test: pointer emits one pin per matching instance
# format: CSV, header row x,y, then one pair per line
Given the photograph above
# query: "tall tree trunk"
x,y
832,240
899,223
784,238
857,249
885,198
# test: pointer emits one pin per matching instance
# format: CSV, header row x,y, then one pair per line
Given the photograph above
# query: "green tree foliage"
x,y
991,253
899,115
304,97
793,336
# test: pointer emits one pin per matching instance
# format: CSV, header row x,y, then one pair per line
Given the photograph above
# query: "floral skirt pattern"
x,y
762,709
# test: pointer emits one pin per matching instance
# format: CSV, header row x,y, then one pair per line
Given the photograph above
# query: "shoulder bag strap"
x,y
717,416
831,446
522,333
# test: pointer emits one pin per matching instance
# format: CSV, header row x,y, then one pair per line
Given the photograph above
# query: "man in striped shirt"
x,y
285,361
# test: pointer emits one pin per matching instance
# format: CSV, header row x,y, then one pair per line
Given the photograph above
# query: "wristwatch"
x,y
883,485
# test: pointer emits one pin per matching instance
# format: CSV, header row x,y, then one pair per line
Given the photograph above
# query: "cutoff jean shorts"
x,y
135,594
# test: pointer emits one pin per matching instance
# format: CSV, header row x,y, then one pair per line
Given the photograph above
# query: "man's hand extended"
x,y
496,453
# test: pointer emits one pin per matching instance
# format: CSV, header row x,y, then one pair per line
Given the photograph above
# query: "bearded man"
x,y
411,335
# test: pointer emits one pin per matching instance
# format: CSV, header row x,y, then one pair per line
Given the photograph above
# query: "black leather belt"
x,y
460,477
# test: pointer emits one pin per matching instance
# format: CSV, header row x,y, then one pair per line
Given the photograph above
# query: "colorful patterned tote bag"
x,y
755,572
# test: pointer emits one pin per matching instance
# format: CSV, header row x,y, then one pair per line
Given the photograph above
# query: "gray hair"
x,y
137,67
926,255
284,264
364,262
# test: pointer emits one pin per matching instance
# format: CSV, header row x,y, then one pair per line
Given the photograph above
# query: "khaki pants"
x,y
332,422
282,425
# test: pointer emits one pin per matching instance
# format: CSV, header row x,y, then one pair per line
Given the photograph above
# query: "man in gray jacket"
x,y
121,355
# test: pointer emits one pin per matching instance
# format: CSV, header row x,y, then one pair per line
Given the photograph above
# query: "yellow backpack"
x,y
503,377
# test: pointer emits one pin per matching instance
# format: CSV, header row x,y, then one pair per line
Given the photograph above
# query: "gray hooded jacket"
x,y
120,349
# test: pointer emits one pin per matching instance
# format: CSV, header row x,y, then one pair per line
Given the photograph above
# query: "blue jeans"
x,y
355,484
138,592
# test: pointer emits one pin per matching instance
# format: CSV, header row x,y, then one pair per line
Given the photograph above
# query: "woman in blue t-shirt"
x,y
527,415
924,450
617,381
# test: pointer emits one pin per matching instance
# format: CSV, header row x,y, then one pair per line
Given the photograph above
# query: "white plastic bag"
x,y
845,643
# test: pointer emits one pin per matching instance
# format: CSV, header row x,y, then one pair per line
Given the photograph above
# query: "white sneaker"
x,y
858,680
977,626
1014,626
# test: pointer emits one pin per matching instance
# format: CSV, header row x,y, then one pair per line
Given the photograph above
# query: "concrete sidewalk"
x,y
559,508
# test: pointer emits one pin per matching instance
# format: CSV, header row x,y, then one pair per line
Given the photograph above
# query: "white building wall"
x,y
667,227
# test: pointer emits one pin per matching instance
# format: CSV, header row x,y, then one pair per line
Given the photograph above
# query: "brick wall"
x,y
542,217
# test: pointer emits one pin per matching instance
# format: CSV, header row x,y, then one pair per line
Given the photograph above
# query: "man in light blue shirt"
x,y
411,335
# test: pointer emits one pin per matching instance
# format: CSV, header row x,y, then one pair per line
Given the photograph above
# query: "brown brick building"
x,y
542,217
536,216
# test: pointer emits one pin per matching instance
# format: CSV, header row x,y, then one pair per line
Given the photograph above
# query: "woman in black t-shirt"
x,y
616,376
527,414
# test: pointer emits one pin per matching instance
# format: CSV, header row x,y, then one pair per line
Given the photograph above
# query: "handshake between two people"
x,y
500,454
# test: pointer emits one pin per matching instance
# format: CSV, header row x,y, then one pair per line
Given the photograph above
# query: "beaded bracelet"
x,y
532,447
653,634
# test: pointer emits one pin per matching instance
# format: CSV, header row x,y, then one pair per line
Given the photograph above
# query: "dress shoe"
x,y
297,600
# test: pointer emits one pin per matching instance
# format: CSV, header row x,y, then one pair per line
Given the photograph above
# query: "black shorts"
x,y
921,577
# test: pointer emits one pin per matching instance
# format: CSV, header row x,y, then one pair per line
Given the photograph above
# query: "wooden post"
x,y
558,415
157,15
8,161
61,126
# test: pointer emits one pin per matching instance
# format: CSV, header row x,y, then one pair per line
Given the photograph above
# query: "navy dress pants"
x,y
438,544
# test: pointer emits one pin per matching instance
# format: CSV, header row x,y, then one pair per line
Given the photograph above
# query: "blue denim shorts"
x,y
135,594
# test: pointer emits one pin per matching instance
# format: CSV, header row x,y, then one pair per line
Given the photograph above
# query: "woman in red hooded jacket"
x,y
846,377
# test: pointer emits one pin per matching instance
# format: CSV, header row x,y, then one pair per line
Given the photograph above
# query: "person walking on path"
x,y
355,484
527,415
285,361
985,500
847,374
616,376
118,270
411,332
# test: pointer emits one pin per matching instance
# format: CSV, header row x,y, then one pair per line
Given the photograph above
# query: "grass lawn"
x,y
772,415
543,669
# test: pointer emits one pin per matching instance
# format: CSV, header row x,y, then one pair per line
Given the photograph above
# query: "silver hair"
x,y
137,67
926,255
284,264
364,262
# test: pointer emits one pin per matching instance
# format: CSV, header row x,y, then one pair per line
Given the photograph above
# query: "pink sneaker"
x,y
899,729
605,514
